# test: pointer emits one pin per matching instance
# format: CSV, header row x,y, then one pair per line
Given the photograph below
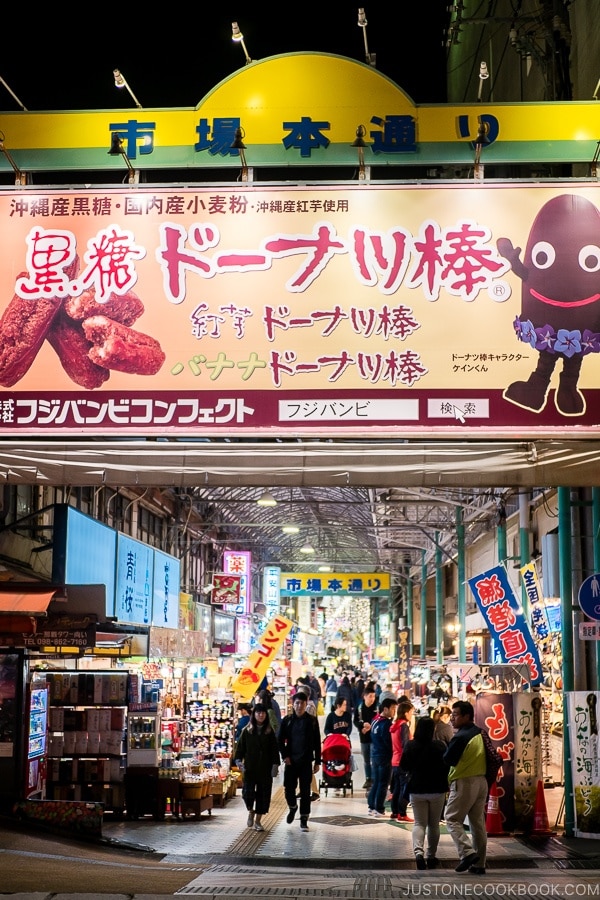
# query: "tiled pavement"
x,y
340,834
345,855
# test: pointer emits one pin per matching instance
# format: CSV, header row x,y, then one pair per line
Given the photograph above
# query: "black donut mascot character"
x,y
560,305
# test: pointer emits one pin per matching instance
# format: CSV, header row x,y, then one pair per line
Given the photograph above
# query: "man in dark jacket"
x,y
363,718
300,747
381,757
315,687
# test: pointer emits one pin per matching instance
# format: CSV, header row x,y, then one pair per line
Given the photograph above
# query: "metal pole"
x,y
462,630
439,602
409,614
596,556
566,596
524,544
423,606
502,546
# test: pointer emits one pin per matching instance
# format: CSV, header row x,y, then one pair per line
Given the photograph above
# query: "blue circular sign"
x,y
589,597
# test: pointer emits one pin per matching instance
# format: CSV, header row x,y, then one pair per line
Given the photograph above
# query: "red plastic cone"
x,y
493,819
540,815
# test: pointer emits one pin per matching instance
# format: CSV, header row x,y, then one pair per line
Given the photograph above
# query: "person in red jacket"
x,y
400,731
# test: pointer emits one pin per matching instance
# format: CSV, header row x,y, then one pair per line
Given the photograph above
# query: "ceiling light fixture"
x,y
290,528
266,499
307,548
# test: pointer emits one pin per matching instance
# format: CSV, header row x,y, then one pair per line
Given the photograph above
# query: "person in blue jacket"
x,y
381,757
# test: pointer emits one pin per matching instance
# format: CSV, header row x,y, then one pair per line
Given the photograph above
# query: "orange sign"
x,y
254,670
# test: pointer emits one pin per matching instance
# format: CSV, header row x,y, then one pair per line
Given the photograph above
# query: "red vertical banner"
x,y
494,713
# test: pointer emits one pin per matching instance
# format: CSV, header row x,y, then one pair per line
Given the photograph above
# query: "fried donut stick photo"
x,y
121,348
67,339
124,309
23,328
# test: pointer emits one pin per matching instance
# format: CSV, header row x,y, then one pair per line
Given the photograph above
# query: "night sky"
x,y
172,56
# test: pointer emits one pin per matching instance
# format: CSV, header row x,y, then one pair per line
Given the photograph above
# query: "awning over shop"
x,y
26,602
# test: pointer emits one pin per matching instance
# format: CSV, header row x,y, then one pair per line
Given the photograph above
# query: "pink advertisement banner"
x,y
309,310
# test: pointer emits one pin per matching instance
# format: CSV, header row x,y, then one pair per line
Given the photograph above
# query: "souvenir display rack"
x,y
86,746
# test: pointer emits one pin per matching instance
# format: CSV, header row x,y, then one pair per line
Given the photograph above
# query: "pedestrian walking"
x,y
340,720
400,732
443,729
345,691
272,706
311,710
243,711
300,748
465,755
257,756
331,689
364,714
381,757
427,774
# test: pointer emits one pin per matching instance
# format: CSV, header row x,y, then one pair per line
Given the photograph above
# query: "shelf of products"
x,y
86,753
210,725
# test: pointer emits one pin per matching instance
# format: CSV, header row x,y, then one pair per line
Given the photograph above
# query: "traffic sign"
x,y
589,597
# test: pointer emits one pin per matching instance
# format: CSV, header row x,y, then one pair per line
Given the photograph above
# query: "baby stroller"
x,y
336,764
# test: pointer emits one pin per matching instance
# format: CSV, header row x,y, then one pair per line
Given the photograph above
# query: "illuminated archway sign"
x,y
302,109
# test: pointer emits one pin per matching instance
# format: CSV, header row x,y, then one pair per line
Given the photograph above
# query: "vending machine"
x,y
36,740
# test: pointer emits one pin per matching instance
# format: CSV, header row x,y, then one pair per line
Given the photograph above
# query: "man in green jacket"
x,y
468,789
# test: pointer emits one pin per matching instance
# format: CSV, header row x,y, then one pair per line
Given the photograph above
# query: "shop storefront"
x,y
112,693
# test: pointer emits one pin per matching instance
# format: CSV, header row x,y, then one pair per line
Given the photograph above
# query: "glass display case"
x,y
143,736
37,740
